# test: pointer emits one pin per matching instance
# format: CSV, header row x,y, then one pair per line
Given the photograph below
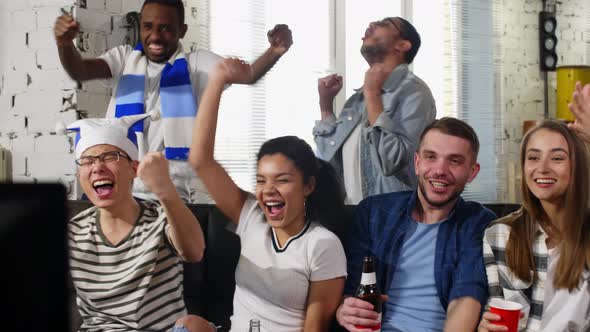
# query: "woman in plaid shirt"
x,y
539,256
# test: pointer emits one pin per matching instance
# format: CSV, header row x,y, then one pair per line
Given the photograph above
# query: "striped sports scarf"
x,y
178,106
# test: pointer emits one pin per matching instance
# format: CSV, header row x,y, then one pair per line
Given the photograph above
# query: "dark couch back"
x,y
209,285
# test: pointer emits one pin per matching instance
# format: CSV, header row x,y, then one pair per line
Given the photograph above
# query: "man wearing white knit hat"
x,y
126,255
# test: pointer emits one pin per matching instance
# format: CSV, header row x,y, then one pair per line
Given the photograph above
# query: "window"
x,y
473,84
357,16
285,101
458,59
431,62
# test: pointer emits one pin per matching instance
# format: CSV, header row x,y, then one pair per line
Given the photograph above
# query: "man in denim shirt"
x,y
427,242
372,142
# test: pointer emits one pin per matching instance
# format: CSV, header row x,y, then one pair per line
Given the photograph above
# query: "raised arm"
x,y
328,88
580,107
280,39
325,130
228,197
185,231
65,30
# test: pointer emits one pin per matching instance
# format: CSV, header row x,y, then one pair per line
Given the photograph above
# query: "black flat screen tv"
x,y
33,250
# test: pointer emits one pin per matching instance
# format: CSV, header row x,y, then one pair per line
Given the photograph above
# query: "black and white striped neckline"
x,y
275,241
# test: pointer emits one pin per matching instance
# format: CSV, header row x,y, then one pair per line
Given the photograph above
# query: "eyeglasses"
x,y
389,20
107,157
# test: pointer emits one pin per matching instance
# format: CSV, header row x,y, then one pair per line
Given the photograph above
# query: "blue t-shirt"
x,y
413,303
379,227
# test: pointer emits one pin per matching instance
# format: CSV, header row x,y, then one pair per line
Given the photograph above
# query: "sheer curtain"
x,y
473,79
284,102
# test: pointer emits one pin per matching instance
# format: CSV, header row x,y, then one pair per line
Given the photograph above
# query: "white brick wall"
x,y
131,5
523,89
114,6
4,17
103,26
32,96
98,5
36,93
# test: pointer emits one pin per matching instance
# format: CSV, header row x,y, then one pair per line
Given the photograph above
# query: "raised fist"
x,y
232,70
280,39
329,86
65,29
375,76
153,171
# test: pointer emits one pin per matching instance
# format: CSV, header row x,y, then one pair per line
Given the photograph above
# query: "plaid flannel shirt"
x,y
503,284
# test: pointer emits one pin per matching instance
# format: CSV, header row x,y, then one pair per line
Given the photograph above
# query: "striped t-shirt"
x,y
133,286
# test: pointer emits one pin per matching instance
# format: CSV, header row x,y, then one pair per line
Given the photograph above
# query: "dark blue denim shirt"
x,y
379,227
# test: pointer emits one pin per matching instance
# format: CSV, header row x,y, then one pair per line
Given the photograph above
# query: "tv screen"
x,y
33,247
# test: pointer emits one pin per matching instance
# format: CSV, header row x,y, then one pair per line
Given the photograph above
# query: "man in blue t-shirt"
x,y
427,242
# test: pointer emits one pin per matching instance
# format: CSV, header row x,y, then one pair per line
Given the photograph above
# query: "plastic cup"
x,y
508,311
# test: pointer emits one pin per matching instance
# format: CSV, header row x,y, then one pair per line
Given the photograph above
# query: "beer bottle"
x,y
254,325
368,290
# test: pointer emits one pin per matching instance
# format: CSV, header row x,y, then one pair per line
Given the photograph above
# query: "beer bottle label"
x,y
368,278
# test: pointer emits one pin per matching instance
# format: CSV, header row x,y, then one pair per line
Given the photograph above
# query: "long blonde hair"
x,y
574,234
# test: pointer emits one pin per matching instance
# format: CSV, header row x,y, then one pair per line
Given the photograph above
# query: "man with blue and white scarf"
x,y
158,78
